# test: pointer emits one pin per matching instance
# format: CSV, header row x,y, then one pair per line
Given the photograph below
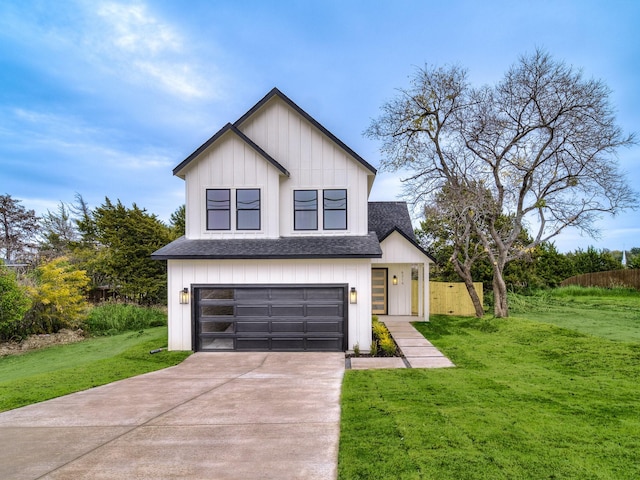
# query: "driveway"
x,y
215,416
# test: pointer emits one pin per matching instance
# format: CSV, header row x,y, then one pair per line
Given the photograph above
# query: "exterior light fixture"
x,y
395,280
353,295
184,296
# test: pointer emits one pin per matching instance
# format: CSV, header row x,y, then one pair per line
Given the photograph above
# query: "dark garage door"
x,y
277,317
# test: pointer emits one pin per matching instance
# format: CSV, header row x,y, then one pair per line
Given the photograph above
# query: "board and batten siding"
x,y
314,161
353,272
231,163
398,256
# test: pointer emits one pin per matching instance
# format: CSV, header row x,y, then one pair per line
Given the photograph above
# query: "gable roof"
x,y
386,218
229,128
265,248
275,92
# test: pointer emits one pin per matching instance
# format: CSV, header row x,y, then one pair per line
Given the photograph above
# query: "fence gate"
x,y
452,298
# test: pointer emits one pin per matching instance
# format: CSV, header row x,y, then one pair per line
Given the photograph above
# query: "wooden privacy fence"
x,y
609,279
452,298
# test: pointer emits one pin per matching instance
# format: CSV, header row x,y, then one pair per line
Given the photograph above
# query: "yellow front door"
x,y
379,291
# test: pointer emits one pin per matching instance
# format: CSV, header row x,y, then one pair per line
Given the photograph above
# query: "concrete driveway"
x,y
215,416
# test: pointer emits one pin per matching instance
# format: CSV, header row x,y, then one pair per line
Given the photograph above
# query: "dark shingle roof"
x,y
388,217
384,217
284,247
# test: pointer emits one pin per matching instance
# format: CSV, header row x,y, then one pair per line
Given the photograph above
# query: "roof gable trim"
x,y
275,92
409,239
230,128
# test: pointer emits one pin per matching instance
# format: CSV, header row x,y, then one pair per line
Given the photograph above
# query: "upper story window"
x,y
305,209
218,209
335,209
248,209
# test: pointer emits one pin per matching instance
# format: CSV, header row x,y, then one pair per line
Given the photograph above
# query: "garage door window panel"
x,y
289,294
287,310
253,344
216,310
216,294
295,344
324,311
217,344
290,327
252,294
253,327
217,327
329,327
252,310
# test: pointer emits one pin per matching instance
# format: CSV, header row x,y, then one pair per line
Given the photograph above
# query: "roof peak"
x,y
275,92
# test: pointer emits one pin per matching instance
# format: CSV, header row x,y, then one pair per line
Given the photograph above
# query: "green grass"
x,y
527,400
40,375
111,318
606,313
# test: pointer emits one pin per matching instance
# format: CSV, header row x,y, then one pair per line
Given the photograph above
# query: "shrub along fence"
x,y
610,279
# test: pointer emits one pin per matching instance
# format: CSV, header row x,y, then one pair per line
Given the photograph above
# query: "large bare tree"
x,y
537,150
18,230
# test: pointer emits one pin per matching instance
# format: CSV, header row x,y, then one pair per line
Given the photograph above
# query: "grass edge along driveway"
x,y
59,370
527,400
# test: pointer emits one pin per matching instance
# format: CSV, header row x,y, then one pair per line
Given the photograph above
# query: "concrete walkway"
x,y
215,416
418,351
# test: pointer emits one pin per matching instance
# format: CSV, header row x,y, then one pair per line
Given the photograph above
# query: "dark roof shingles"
x,y
387,216
283,247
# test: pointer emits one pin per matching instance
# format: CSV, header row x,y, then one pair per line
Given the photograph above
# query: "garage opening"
x,y
275,317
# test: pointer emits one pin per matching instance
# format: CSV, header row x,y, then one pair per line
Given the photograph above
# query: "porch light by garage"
x,y
184,296
353,295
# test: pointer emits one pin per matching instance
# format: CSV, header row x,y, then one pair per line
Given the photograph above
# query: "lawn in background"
x,y
527,400
58,370
612,313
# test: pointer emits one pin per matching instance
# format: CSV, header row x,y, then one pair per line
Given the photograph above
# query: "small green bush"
x,y
14,303
112,318
383,344
58,297
388,346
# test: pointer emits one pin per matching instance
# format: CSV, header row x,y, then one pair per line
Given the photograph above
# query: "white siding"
x,y
398,255
231,163
314,161
353,272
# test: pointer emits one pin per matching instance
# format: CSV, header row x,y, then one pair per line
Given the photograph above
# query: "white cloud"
x,y
144,48
71,137
132,28
89,41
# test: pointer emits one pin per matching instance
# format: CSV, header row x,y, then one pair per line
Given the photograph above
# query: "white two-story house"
x,y
282,250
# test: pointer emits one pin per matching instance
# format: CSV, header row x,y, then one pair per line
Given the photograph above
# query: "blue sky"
x,y
104,98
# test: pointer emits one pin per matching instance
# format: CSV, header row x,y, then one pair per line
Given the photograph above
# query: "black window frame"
x,y
333,209
296,210
228,209
259,209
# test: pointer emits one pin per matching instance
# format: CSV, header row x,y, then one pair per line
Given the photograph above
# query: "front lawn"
x,y
527,400
40,375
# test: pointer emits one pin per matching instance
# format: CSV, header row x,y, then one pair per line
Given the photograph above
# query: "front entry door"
x,y
379,291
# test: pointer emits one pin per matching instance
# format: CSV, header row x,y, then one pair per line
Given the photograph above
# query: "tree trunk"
x,y
465,273
500,306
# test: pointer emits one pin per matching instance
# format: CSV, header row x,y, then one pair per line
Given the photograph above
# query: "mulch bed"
x,y
35,342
